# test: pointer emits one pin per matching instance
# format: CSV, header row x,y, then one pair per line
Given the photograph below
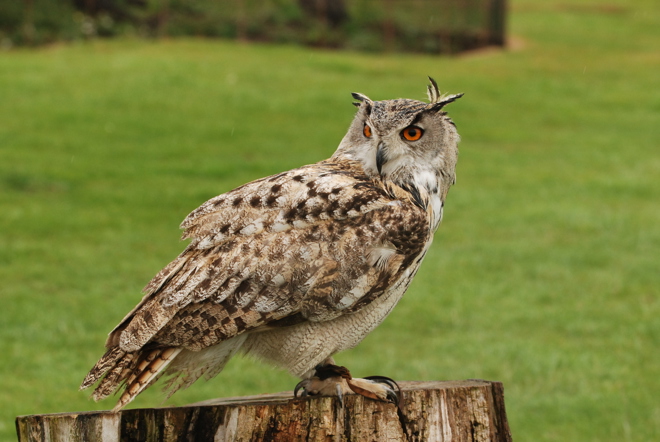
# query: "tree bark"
x,y
470,410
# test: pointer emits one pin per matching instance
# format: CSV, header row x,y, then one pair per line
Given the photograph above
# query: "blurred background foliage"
x,y
433,26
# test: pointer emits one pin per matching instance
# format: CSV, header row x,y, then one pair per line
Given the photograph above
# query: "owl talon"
x,y
334,380
302,385
340,394
328,380
394,392
379,388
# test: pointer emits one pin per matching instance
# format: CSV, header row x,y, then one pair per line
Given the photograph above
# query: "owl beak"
x,y
381,156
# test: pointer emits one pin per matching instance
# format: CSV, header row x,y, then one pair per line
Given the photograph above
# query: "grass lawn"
x,y
545,273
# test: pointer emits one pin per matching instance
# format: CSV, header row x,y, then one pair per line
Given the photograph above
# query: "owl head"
x,y
408,142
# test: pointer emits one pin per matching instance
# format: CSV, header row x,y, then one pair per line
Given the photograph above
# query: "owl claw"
x,y
334,380
328,380
340,394
380,388
393,392
301,385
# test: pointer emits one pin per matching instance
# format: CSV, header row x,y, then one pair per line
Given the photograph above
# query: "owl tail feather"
x,y
107,363
135,371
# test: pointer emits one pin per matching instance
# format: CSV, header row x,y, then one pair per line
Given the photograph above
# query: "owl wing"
x,y
307,245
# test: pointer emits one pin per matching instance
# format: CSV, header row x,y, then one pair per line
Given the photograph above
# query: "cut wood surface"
x,y
471,410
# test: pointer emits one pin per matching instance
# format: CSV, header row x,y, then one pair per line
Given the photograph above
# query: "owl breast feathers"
x,y
294,267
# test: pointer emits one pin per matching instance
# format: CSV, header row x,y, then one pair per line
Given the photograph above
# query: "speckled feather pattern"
x,y
290,268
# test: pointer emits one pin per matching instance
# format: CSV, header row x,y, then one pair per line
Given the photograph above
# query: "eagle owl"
x,y
298,266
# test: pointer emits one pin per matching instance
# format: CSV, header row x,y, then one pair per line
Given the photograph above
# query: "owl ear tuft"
x,y
444,100
362,99
432,91
438,101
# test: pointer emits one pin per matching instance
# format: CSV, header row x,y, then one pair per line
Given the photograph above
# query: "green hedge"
x,y
415,25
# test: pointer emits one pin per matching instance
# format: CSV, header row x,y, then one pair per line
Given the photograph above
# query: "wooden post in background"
x,y
497,23
470,410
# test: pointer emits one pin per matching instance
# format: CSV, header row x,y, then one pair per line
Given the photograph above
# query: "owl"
x,y
298,266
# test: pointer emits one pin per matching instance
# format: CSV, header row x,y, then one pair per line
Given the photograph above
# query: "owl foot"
x,y
335,380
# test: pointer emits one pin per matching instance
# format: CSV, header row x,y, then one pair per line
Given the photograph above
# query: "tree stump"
x,y
470,410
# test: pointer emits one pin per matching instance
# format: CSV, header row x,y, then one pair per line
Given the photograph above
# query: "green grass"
x,y
545,272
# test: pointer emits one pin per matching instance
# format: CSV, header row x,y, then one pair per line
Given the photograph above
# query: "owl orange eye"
x,y
367,131
412,133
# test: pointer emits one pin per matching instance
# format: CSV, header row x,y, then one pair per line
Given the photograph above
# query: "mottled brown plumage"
x,y
294,267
